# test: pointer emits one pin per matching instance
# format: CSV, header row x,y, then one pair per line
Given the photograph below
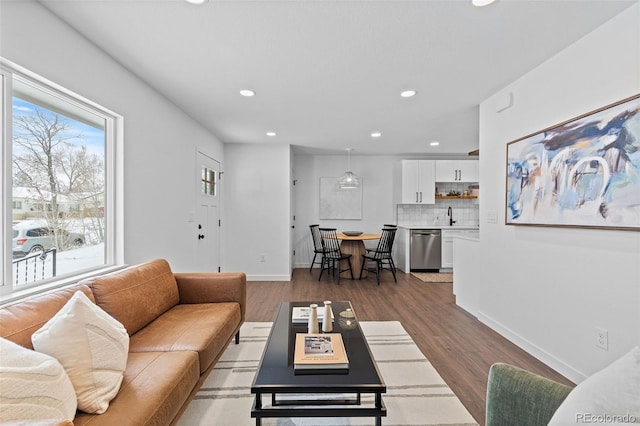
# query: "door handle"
x,y
416,196
200,237
420,196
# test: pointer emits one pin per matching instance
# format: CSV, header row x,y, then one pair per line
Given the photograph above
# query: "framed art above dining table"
x,y
337,203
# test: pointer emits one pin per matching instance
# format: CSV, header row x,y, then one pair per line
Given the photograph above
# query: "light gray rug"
x,y
416,394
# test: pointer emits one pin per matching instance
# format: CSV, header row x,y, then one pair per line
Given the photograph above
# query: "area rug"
x,y
434,277
416,394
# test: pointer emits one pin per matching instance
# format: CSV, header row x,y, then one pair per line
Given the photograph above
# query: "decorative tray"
x,y
352,233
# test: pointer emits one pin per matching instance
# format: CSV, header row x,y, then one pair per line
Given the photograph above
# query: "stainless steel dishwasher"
x,y
426,249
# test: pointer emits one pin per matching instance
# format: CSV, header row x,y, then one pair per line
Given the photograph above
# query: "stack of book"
x,y
320,354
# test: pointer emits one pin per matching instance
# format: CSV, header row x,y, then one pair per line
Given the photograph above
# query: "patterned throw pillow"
x,y
91,346
34,386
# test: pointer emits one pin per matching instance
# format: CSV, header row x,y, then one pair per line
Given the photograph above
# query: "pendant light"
x,y
348,180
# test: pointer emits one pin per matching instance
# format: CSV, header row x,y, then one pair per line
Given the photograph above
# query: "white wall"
x,y
160,141
547,289
377,177
256,194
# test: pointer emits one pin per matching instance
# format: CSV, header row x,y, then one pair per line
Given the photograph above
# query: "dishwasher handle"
x,y
425,233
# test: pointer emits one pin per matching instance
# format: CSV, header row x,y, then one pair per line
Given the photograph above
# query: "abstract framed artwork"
x,y
582,173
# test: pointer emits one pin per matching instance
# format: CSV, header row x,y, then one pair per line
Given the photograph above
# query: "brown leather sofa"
x,y
179,325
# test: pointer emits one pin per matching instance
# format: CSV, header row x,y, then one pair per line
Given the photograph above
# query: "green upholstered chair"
x,y
519,397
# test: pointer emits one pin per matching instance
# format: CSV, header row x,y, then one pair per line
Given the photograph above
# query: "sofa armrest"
x,y
519,397
209,287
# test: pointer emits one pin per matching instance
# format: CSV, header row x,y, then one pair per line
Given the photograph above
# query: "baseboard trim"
x,y
268,277
533,349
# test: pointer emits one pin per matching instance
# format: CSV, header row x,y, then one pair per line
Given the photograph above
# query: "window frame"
x,y
114,185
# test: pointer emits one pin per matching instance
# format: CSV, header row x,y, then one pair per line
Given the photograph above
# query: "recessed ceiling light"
x,y
408,93
480,3
271,133
434,143
376,134
196,1
247,92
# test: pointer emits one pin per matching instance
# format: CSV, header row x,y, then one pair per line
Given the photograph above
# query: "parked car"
x,y
34,239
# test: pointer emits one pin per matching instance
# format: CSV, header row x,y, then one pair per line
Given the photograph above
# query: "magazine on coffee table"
x,y
320,354
300,314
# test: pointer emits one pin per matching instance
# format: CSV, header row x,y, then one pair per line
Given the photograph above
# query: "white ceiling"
x,y
328,73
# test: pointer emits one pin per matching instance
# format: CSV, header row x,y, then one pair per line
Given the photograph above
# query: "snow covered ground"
x,y
68,261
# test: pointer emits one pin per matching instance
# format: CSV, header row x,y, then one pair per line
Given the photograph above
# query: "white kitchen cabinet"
x,y
447,252
418,182
457,170
448,237
401,251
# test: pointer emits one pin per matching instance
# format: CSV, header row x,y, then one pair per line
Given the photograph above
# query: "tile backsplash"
x,y
465,211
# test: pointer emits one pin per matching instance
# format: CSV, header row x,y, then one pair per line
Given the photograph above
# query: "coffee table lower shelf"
x,y
317,407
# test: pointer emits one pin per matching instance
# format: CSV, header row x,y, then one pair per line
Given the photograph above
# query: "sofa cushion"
x,y
34,386
21,318
204,328
137,295
156,385
610,396
91,346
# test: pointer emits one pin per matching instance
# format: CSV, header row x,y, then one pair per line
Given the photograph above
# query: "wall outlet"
x,y
263,258
602,338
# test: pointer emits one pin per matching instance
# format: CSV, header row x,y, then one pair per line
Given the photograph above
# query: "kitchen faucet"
x,y
450,216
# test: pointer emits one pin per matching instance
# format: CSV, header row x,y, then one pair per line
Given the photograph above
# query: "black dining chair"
x,y
381,256
332,256
317,245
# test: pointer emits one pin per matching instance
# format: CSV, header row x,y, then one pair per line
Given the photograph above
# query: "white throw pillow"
x,y
611,396
92,347
33,386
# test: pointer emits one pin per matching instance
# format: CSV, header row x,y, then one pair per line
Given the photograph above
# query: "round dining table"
x,y
354,245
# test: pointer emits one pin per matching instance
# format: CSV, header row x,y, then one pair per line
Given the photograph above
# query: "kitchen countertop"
x,y
445,227
465,237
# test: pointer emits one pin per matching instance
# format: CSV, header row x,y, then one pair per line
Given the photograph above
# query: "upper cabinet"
x,y
418,181
457,171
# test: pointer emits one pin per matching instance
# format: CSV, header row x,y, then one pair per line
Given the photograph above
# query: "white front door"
x,y
208,219
292,207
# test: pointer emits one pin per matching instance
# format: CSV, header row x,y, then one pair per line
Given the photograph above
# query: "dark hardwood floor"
x,y
460,347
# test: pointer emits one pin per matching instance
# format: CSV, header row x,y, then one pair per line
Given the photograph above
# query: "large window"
x,y
59,177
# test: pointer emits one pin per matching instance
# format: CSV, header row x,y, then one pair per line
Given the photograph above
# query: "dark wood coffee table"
x,y
275,374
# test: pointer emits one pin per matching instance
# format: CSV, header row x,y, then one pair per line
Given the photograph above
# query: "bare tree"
x,y
50,160
85,172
